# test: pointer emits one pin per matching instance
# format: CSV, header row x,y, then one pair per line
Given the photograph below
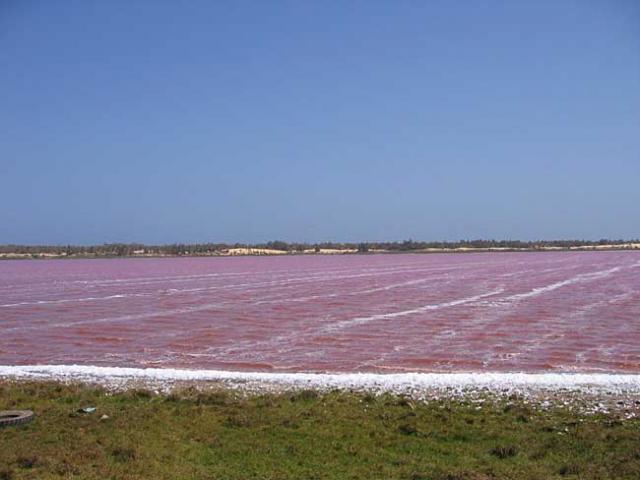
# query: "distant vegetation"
x,y
179,249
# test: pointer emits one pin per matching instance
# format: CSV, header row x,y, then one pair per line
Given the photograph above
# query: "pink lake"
x,y
552,311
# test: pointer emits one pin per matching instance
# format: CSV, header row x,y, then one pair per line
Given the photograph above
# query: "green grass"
x,y
220,435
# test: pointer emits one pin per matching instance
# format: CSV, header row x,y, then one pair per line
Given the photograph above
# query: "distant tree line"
x,y
178,249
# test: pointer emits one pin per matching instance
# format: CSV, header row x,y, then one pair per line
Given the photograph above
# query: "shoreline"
x,y
582,393
279,253
593,387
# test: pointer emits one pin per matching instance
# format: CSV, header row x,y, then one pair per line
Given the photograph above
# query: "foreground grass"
x,y
219,435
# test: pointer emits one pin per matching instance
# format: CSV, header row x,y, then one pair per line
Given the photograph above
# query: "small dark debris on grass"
x,y
27,462
123,454
407,429
569,470
504,451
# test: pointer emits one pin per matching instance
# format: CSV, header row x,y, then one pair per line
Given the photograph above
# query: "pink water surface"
x,y
561,311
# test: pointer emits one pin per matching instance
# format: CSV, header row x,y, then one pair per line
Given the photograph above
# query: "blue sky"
x,y
309,121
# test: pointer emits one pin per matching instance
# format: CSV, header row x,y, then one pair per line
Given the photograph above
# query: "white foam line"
x,y
123,318
179,278
74,300
245,287
392,382
182,278
252,345
425,308
585,277
309,279
282,281
344,294
185,310
580,278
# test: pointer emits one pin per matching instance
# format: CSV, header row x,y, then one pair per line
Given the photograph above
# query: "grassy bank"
x,y
219,435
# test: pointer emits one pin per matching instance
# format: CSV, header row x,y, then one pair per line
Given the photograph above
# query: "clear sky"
x,y
341,120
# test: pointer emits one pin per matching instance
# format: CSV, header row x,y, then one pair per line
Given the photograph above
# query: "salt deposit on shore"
x,y
414,384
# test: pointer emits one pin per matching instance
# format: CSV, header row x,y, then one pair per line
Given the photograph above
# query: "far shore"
x,y
250,251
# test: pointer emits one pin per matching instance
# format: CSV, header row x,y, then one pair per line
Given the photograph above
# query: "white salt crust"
x,y
402,383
